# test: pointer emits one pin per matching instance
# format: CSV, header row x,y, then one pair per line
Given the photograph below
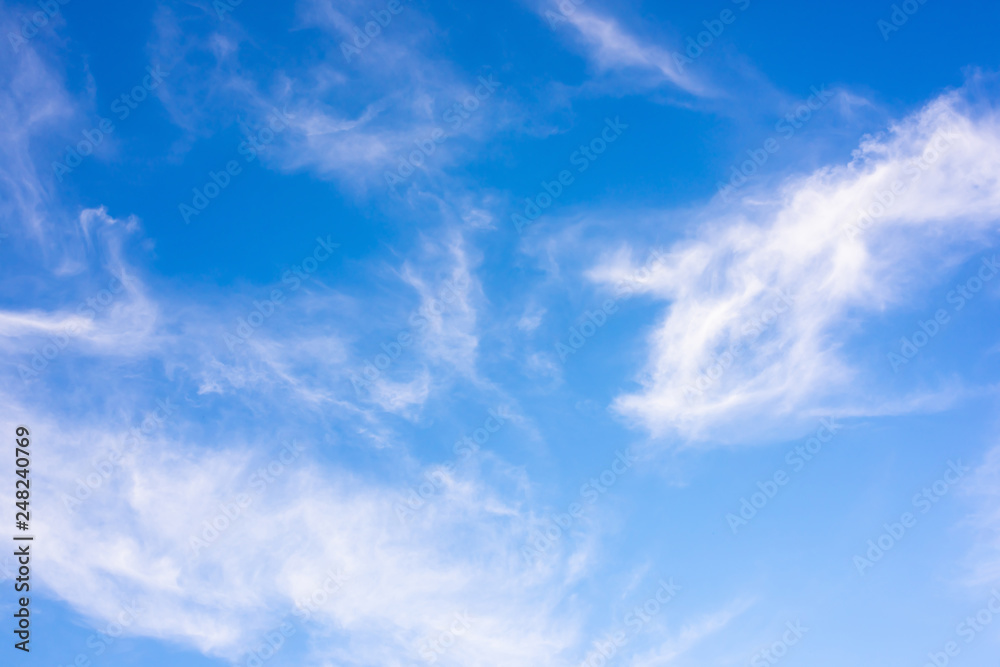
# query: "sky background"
x,y
327,292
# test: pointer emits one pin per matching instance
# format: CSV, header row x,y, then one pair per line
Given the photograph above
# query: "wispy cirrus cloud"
x,y
219,589
690,635
762,300
612,47
34,106
355,119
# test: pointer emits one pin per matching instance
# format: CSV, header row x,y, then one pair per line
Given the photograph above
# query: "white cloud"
x,y
531,319
350,119
448,307
132,540
612,47
785,274
33,105
689,636
110,314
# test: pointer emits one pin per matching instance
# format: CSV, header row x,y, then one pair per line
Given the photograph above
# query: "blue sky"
x,y
521,333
